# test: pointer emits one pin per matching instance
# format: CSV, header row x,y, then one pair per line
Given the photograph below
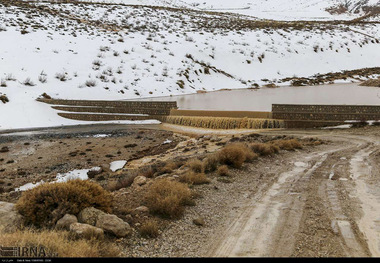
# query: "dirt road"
x,y
326,204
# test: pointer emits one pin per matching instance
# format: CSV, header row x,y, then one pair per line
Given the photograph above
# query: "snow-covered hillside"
x,y
113,52
271,9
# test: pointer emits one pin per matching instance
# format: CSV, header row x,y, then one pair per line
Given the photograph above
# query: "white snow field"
x,y
117,52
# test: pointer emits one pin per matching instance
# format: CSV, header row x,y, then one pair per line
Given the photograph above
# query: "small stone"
x,y
139,180
66,221
86,231
142,209
199,221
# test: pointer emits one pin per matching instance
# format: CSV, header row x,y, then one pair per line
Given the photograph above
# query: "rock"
x,y
86,231
113,224
139,180
142,209
94,171
129,219
199,221
10,219
89,215
66,221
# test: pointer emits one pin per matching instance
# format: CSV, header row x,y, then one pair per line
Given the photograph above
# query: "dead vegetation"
x,y
45,204
194,178
149,229
58,244
167,198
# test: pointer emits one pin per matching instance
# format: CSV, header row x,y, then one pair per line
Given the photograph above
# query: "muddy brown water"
x,y
263,98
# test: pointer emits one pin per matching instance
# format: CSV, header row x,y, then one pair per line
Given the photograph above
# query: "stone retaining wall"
x,y
325,112
310,116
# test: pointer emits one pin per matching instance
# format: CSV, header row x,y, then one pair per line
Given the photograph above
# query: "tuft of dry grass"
x,y
210,163
288,145
168,198
264,149
223,170
194,178
58,244
45,204
149,229
195,165
169,167
235,155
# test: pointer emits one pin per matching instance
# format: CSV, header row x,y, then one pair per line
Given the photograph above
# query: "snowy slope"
x,y
133,52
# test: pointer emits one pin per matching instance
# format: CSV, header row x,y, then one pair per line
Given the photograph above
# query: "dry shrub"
x,y
223,170
149,229
195,165
58,243
235,155
264,149
169,167
194,178
210,163
47,203
148,171
288,145
168,198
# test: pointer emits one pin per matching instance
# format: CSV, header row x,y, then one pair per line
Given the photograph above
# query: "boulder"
x,y
66,221
89,215
86,231
113,224
10,219
139,180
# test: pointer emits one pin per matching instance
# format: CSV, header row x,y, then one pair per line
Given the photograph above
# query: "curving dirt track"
x,y
326,204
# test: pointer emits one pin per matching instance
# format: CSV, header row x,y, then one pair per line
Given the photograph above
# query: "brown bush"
x,y
148,171
168,198
46,203
223,170
195,165
192,177
288,145
235,155
149,229
58,243
169,167
264,149
210,163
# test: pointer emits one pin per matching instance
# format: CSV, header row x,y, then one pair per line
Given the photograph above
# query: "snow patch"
x,y
117,165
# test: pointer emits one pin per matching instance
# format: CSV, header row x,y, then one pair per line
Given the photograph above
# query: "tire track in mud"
x,y
311,210
262,224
